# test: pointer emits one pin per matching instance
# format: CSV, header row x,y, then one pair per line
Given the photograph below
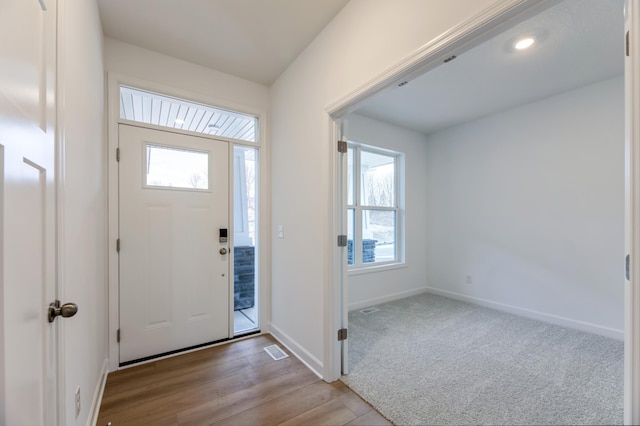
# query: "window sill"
x,y
376,268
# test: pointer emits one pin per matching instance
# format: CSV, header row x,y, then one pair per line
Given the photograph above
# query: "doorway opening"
x,y
458,266
188,224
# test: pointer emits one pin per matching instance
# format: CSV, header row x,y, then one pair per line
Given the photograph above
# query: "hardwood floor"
x,y
234,384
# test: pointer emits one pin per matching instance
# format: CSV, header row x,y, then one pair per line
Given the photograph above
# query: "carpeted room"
x,y
519,209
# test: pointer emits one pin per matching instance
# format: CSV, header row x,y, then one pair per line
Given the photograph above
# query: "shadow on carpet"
x,y
433,360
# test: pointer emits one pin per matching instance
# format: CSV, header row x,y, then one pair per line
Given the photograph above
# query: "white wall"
x,y
382,286
84,197
530,203
234,92
360,43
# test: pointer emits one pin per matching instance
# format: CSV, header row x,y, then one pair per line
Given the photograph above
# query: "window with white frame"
x,y
373,208
142,106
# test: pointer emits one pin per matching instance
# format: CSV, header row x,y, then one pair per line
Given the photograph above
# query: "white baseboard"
x,y
92,419
528,313
387,298
297,350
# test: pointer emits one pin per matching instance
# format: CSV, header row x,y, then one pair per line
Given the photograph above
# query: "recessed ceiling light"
x,y
521,40
524,43
179,121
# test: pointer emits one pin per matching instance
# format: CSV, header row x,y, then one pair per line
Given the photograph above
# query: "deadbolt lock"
x,y
223,250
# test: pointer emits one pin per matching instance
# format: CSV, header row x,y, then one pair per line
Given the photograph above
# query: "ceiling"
x,y
252,39
580,42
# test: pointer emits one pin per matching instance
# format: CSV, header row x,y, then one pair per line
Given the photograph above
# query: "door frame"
x,y
483,26
114,81
632,215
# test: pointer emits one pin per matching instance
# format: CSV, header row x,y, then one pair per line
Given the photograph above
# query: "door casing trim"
x,y
480,28
486,24
114,81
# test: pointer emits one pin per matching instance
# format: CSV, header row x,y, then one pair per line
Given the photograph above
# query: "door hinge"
x,y
118,335
117,154
627,43
342,240
342,147
118,245
626,268
342,334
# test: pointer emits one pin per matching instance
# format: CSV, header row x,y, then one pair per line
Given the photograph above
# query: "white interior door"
x,y
27,213
174,271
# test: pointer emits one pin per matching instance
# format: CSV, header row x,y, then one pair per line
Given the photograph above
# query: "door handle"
x,y
223,250
65,311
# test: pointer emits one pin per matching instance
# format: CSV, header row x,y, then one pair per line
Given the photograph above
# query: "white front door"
x,y
27,213
174,270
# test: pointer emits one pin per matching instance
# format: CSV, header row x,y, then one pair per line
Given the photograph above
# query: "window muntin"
x,y
351,217
160,110
350,175
176,168
372,206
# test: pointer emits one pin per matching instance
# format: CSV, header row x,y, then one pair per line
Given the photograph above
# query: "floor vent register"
x,y
275,352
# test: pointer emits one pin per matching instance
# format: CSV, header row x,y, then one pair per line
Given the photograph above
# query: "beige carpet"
x,y
432,360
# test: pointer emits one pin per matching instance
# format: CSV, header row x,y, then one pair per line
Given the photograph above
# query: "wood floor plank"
x,y
330,413
148,413
192,394
285,407
223,352
166,384
164,421
244,399
234,384
201,395
151,411
356,404
371,418
125,376
259,358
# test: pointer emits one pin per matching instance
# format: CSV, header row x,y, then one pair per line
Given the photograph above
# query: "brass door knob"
x,y
65,311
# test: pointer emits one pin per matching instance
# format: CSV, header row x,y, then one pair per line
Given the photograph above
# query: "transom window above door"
x,y
160,110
